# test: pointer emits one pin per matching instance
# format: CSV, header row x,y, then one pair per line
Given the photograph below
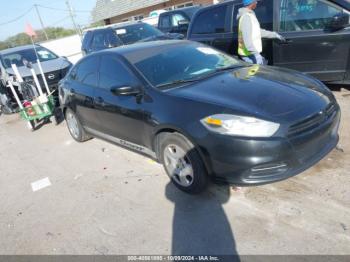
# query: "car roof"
x,y
146,47
185,9
16,49
115,26
343,3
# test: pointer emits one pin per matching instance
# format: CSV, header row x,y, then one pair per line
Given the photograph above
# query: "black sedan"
x,y
201,113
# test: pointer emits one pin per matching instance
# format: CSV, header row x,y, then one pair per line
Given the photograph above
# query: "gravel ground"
x,y
106,200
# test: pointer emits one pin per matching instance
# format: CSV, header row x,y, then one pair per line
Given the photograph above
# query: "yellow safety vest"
x,y
242,50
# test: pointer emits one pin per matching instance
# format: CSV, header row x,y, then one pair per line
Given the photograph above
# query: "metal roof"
x,y
109,8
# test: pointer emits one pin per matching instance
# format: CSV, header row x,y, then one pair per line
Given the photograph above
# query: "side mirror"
x,y
125,91
339,21
183,24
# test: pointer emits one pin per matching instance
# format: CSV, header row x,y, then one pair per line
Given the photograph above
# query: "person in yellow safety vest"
x,y
250,34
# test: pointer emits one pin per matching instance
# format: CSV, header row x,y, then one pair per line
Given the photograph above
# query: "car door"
x,y
311,47
81,85
119,116
212,26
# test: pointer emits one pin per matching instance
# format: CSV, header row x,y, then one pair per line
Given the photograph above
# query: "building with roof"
x,y
115,11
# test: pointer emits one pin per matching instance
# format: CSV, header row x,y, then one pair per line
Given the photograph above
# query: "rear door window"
x,y
211,21
87,71
98,40
305,15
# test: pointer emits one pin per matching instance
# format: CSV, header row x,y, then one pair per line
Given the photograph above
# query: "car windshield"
x,y
18,57
167,65
134,33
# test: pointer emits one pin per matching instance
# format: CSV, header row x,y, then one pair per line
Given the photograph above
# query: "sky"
x,y
12,9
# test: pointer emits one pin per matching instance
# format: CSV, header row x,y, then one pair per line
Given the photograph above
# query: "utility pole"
x,y
41,22
72,17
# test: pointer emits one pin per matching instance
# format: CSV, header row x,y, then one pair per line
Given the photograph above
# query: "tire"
x,y
182,163
75,129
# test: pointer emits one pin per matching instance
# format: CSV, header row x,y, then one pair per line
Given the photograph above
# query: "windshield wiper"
x,y
177,82
229,68
183,81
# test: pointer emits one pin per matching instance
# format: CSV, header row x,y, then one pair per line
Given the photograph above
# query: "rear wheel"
x,y
75,128
182,163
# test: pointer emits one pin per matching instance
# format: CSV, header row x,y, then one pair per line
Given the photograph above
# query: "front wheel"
x,y
183,163
75,128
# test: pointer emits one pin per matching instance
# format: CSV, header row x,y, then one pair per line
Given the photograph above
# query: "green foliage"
x,y
24,39
96,24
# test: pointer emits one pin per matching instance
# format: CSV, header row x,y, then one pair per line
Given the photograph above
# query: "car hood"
x,y
48,66
269,93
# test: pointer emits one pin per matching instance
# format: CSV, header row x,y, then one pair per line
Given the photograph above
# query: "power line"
x,y
59,21
65,10
41,22
17,18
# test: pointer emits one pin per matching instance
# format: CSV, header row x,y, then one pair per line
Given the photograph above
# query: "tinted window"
x,y
87,40
264,13
235,20
86,71
98,39
211,21
113,73
105,39
303,15
165,21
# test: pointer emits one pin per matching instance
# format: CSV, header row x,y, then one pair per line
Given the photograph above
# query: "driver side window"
x,y
304,15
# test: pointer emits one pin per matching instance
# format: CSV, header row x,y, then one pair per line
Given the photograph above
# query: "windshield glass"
x,y
134,33
181,62
18,57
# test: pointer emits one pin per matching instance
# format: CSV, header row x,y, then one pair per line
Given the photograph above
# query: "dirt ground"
x,y
107,200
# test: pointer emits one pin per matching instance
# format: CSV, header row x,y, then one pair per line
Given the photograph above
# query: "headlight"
x,y
240,126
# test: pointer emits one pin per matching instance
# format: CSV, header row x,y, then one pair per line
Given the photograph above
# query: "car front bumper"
x,y
245,161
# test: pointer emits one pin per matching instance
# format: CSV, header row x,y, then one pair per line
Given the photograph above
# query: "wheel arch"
x,y
171,129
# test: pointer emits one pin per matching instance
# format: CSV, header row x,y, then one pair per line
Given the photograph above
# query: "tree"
x,y
24,39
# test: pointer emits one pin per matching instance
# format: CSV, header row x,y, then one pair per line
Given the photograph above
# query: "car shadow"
x,y
200,225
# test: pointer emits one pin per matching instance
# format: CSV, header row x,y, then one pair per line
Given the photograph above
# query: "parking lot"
x,y
106,200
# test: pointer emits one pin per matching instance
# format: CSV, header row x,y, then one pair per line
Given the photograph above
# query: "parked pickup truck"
x,y
317,33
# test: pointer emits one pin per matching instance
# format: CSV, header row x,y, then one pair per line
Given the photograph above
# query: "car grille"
x,y
313,121
53,77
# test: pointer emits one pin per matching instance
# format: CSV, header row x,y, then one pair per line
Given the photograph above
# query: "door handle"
x,y
72,91
286,42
